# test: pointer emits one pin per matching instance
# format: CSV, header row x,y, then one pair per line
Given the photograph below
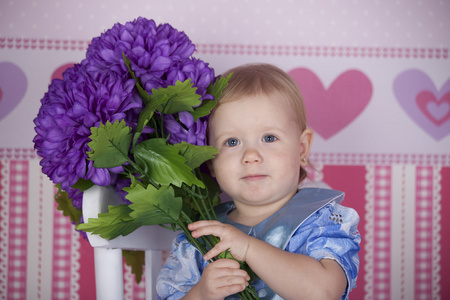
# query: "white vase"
x,y
108,253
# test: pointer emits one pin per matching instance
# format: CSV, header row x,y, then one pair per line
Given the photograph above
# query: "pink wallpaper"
x,y
374,23
376,81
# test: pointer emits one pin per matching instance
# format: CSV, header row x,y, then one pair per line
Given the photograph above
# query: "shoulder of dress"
x,y
321,194
223,209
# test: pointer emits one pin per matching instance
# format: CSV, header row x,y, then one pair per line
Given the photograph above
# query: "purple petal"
x,y
161,63
186,118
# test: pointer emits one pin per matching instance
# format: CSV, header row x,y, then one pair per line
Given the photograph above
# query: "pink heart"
x,y
438,111
58,73
13,84
331,110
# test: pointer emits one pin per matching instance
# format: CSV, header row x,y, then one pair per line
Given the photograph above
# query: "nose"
x,y
251,156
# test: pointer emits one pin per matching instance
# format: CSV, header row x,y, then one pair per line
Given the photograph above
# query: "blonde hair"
x,y
265,79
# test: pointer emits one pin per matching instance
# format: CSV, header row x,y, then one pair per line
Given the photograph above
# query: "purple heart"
x,y
418,96
438,111
13,84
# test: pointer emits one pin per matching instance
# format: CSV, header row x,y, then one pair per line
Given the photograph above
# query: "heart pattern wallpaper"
x,y
424,103
375,79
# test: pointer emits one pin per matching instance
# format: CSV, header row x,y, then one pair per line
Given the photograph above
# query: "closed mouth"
x,y
252,177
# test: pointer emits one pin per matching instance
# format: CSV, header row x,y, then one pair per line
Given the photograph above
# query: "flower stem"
x,y
211,204
194,197
187,233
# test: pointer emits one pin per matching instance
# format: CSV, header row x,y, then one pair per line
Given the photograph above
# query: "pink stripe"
x,y
87,270
443,275
17,242
352,180
61,255
382,234
424,234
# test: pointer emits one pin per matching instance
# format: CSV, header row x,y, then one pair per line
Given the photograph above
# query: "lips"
x,y
254,177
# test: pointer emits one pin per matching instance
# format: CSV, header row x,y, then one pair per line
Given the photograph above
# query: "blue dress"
x,y
312,223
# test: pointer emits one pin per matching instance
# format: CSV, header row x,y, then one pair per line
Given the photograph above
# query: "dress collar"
x,y
280,226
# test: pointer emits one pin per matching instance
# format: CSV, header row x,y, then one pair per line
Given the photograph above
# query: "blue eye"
x,y
269,138
232,142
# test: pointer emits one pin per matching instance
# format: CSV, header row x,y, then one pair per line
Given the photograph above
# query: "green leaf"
x,y
146,114
196,155
182,97
142,92
110,144
83,184
162,162
212,188
204,109
153,206
136,260
117,221
65,205
217,87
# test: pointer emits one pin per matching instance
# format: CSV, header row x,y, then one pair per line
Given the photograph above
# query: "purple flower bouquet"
x,y
133,115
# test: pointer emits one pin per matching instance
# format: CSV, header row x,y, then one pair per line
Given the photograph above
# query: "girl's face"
x,y
260,150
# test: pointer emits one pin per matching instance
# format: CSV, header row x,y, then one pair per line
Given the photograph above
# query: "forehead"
x,y
253,110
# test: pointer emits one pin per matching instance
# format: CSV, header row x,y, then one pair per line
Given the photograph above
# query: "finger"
x,y
216,250
232,289
226,263
216,229
225,267
233,280
232,285
203,223
224,274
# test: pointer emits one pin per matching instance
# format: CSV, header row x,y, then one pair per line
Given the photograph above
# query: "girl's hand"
x,y
231,238
220,279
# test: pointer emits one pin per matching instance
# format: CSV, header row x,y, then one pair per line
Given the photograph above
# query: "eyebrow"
x,y
222,135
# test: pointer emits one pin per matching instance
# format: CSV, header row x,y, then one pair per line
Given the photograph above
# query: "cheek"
x,y
219,166
289,163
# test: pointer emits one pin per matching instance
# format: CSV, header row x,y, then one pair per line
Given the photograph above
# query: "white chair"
x,y
108,254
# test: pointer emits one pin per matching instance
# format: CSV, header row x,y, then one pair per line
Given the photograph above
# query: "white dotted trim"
x,y
436,232
4,227
368,237
75,266
128,282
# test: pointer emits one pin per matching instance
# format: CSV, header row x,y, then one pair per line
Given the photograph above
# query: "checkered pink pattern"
x,y
4,218
62,236
382,236
132,290
424,234
17,240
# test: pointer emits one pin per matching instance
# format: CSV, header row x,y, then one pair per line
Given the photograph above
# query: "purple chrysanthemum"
x,y
188,131
159,55
69,109
101,89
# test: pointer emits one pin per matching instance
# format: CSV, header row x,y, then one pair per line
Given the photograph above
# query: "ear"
x,y
306,139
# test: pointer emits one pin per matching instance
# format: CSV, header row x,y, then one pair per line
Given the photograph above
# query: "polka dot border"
x,y
241,49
